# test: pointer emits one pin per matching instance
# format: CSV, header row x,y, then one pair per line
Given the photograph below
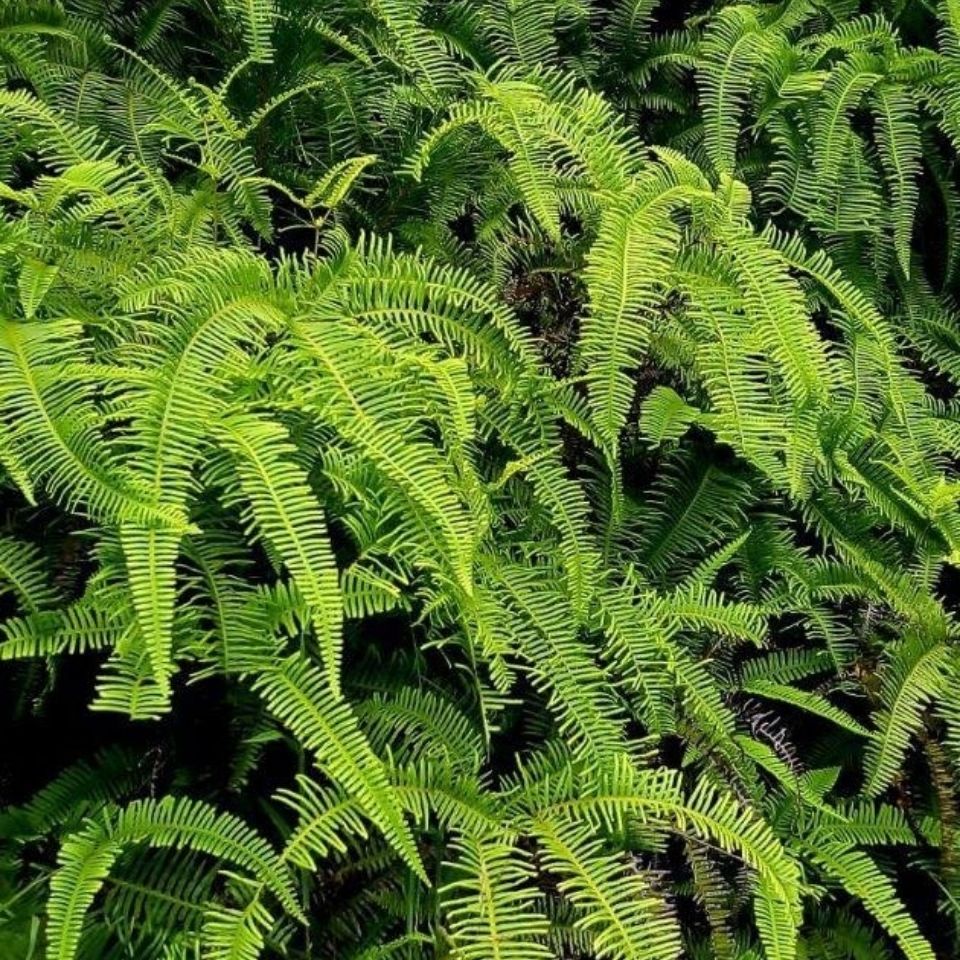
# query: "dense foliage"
x,y
479,479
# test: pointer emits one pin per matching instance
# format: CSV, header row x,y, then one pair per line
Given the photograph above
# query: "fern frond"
x,y
286,512
916,673
624,918
491,907
54,427
627,277
861,877
22,573
257,18
87,856
300,696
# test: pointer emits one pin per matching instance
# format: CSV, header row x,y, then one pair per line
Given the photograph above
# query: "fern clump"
x,y
479,479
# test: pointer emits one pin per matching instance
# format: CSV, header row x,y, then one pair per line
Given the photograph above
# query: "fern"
x,y
479,479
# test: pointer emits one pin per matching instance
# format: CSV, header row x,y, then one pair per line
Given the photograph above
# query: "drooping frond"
x,y
301,697
86,857
283,509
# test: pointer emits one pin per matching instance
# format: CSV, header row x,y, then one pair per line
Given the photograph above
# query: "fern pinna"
x,y
479,479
